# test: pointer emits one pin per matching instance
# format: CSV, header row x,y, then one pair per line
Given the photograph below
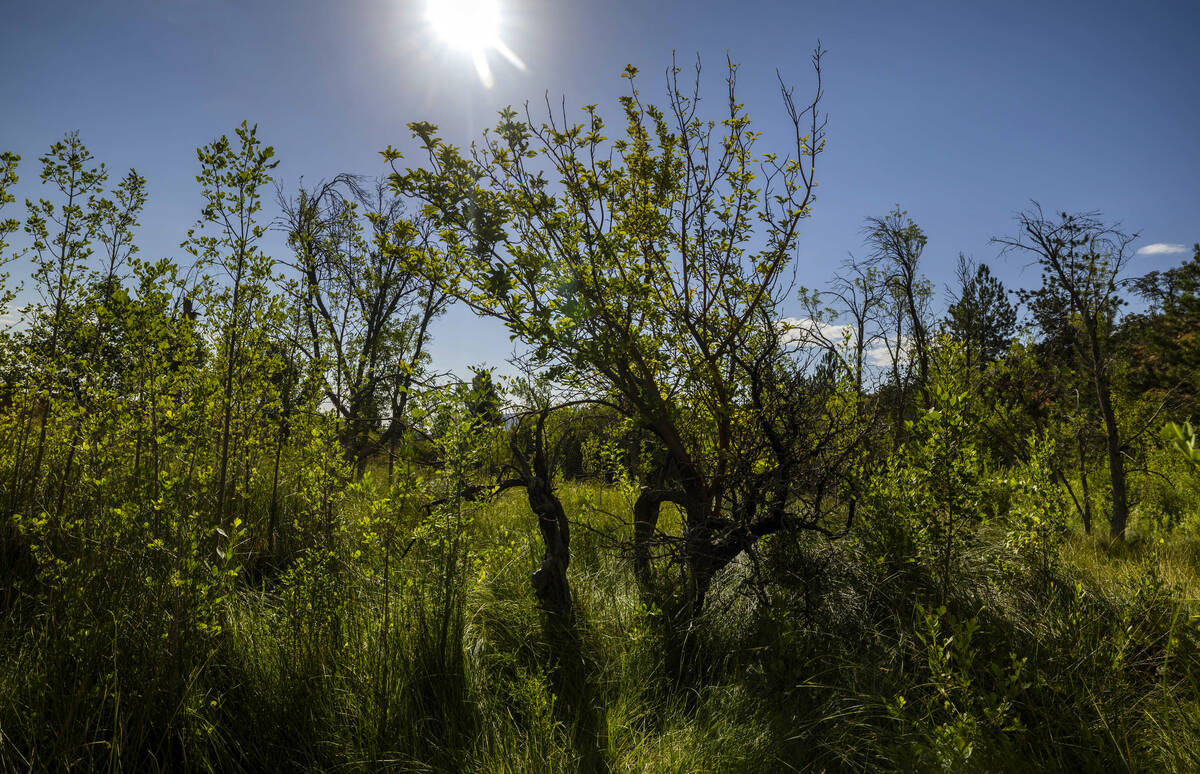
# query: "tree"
x,y
9,552
981,316
861,299
1082,261
226,238
8,226
366,310
483,399
62,236
114,221
897,244
8,179
647,272
1164,354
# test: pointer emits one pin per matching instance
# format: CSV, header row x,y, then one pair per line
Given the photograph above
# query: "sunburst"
x,y
473,27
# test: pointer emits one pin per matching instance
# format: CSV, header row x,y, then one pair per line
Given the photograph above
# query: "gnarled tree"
x,y
648,271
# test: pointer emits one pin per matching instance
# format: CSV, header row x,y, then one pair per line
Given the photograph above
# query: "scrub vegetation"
x,y
247,524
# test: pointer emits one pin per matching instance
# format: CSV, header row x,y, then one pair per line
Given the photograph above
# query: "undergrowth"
x,y
844,662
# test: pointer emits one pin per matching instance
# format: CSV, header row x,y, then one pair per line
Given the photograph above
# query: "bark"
x,y
550,580
645,520
1086,512
1116,463
701,556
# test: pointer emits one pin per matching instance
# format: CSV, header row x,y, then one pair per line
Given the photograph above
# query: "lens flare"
x,y
472,27
468,25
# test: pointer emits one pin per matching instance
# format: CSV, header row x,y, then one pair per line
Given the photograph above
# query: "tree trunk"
x,y
550,580
1116,464
645,520
273,514
1086,512
1116,471
698,557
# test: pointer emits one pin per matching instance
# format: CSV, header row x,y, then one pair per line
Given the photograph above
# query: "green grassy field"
x,y
431,655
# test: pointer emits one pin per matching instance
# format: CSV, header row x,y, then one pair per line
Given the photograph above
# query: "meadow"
x,y
432,656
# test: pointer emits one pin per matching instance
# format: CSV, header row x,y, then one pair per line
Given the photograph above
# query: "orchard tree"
x,y
1083,261
647,271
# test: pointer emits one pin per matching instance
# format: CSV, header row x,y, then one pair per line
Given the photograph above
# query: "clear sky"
x,y
959,111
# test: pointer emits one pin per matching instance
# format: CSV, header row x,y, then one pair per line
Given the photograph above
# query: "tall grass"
x,y
443,663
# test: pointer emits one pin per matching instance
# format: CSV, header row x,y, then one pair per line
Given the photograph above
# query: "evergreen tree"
x,y
981,317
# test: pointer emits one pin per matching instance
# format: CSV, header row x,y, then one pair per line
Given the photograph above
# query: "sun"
x,y
472,27
468,25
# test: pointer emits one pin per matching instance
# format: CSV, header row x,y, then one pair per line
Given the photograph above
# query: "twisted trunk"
x,y
550,580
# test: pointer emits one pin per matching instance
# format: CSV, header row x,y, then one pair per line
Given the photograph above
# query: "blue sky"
x,y
961,112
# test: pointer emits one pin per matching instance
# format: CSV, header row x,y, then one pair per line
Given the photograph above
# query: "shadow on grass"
x,y
577,695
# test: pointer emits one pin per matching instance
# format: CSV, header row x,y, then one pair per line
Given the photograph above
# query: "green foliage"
x,y
8,226
239,307
982,318
484,400
927,504
1183,439
965,716
243,527
1161,343
1037,521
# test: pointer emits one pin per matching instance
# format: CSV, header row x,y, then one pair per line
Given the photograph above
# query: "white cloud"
x,y
880,356
804,331
13,321
1162,248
